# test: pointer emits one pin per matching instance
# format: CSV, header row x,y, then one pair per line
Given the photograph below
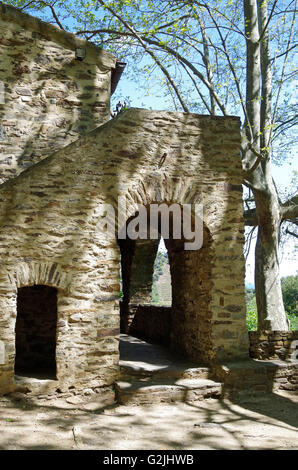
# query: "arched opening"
x,y
35,332
180,318
162,283
150,314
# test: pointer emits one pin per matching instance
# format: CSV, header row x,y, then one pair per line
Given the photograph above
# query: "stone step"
x,y
35,386
140,392
131,370
255,376
247,376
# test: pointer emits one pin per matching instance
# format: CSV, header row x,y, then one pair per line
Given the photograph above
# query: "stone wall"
x,y
151,323
285,377
273,344
250,377
53,232
50,97
142,271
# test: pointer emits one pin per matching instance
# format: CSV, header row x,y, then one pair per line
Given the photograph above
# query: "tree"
x,y
289,286
225,56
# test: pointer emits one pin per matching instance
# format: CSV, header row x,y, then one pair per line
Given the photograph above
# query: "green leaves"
x,y
289,286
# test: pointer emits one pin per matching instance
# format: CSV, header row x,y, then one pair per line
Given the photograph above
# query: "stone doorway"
x,y
184,325
35,331
151,315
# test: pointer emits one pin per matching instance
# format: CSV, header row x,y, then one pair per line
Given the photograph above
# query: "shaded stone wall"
x,y
53,232
50,97
273,344
142,271
192,315
151,323
127,249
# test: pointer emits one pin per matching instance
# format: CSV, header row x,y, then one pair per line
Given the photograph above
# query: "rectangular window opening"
x,y
36,327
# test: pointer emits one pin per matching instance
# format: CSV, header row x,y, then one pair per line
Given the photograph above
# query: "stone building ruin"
x,y
62,161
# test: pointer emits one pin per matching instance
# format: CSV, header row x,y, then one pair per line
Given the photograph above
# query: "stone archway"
x,y
34,336
208,319
188,323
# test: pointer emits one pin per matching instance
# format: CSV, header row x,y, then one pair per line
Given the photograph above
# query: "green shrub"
x,y
251,314
289,286
293,318
290,305
155,296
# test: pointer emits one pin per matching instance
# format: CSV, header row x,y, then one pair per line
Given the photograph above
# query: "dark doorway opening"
x,y
36,327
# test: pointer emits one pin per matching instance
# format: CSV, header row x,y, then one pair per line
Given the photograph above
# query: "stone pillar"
x,y
191,294
142,271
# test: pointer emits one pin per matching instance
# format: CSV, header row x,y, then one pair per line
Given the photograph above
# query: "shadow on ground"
x,y
267,421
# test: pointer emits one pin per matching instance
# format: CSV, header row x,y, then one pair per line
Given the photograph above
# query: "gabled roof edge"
x,y
51,32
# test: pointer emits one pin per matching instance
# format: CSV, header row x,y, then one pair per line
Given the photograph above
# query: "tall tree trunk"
x,y
271,313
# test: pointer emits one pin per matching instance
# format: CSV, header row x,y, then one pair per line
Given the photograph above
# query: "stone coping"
x,y
53,33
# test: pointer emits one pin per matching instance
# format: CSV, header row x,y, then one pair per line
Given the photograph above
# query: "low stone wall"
x,y
273,345
250,377
151,323
285,377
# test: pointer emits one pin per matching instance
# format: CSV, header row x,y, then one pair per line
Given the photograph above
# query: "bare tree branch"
x,y
46,4
197,89
55,15
291,233
232,69
284,68
138,37
259,156
268,21
206,61
248,242
250,217
196,72
162,46
286,52
289,209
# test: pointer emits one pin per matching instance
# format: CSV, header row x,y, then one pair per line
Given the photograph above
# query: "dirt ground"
x,y
266,422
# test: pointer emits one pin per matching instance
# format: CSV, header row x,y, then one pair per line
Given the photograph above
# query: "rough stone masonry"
x,y
61,161
50,97
51,233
